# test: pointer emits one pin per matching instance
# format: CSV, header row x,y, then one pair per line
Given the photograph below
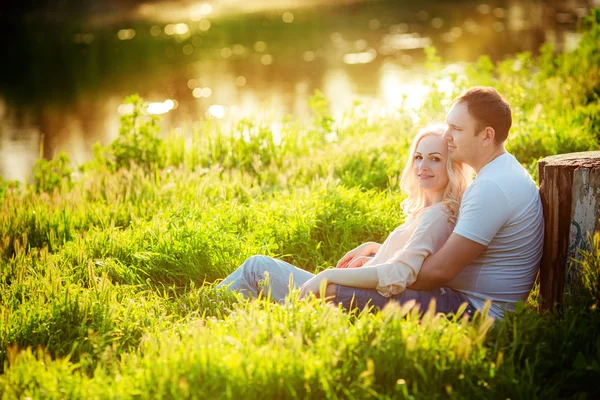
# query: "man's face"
x,y
461,134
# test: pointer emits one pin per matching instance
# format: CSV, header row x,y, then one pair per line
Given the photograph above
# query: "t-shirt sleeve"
x,y
484,210
431,232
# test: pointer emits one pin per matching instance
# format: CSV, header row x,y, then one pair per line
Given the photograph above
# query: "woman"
x,y
376,273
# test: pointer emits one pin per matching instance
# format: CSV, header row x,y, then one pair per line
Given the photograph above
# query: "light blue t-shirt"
x,y
502,210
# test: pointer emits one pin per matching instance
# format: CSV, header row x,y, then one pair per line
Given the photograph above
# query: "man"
x,y
495,249
496,246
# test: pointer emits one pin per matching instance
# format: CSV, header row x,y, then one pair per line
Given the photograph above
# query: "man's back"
x,y
501,210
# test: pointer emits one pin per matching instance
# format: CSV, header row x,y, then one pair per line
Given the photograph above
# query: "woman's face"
x,y
429,166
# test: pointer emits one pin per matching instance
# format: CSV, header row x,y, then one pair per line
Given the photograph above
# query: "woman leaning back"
x,y
375,274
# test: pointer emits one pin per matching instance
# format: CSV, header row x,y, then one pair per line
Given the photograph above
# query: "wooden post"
x,y
570,193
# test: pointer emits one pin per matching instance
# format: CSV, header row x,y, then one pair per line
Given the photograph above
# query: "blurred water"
x,y
66,74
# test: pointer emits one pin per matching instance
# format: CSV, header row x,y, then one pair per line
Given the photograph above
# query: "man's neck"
x,y
498,151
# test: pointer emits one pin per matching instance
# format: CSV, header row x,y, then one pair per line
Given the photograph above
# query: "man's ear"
x,y
489,134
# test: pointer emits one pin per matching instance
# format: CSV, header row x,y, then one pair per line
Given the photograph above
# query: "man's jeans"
x,y
246,280
447,301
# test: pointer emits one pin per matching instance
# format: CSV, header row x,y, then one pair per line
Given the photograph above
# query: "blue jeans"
x,y
447,300
248,277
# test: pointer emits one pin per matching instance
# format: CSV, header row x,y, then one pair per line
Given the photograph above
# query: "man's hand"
x,y
358,262
364,250
313,285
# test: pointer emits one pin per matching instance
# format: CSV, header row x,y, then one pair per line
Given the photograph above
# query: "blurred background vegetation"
x,y
69,64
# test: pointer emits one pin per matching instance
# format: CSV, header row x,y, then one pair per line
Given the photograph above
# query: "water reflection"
x,y
339,89
17,154
190,60
401,87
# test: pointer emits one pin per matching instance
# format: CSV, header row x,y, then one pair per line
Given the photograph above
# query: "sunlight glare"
x,y
226,52
217,111
288,17
401,90
437,22
200,10
155,30
406,41
126,34
125,109
192,83
260,46
276,132
177,29
363,57
338,88
181,28
206,9
266,59
484,8
238,49
161,108
240,81
18,157
204,25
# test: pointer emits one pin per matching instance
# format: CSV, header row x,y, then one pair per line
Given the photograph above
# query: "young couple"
x,y
462,241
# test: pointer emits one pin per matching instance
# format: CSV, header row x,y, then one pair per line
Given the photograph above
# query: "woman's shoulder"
x,y
434,213
434,210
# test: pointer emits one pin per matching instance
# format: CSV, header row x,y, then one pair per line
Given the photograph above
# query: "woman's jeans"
x,y
250,279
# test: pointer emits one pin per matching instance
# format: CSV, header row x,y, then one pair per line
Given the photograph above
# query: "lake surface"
x,y
65,74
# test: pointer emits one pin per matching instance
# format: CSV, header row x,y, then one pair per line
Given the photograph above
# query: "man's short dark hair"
x,y
488,108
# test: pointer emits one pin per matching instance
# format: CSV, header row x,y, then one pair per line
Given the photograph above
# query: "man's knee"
x,y
409,294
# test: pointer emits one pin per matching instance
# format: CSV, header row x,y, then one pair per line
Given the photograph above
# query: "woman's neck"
x,y
430,198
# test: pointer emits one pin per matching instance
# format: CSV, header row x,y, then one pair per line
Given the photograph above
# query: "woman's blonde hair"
x,y
459,177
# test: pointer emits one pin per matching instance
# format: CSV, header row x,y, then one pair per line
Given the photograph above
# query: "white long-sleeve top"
x,y
401,256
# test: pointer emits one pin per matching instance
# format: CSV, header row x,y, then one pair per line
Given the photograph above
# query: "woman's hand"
x,y
313,285
364,250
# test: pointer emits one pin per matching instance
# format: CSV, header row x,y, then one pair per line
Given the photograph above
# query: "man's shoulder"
x,y
506,170
506,191
483,187
508,176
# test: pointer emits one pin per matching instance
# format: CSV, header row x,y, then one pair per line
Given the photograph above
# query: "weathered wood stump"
x,y
570,193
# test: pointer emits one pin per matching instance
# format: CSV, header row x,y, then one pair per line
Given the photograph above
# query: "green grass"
x,y
106,272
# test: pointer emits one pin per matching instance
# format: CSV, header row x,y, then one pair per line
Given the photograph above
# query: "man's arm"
x,y
447,262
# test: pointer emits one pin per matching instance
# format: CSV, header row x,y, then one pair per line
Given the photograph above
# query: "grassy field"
x,y
107,271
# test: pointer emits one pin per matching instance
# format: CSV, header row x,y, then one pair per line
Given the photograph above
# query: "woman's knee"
x,y
254,265
257,258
